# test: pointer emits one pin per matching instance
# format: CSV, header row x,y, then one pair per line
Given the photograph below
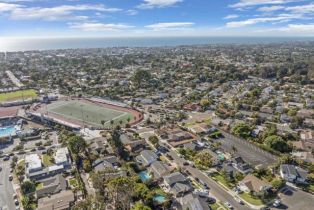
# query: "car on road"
x,y
211,200
16,202
0,169
239,201
11,170
10,178
228,205
6,158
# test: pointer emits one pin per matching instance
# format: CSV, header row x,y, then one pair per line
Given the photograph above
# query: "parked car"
x,y
16,202
6,158
10,178
0,169
228,205
277,203
239,201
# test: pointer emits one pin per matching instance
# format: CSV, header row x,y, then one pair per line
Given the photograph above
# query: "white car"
x,y
228,205
277,203
239,201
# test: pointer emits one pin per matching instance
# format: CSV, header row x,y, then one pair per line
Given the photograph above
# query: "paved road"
x,y
6,188
218,191
248,151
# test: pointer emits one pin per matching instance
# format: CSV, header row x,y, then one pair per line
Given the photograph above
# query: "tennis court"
x,y
89,113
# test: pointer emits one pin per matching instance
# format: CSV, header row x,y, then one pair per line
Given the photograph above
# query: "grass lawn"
x,y
218,177
39,186
89,113
47,160
17,95
252,200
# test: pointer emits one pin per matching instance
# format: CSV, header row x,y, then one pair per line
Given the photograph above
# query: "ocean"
x,y
11,44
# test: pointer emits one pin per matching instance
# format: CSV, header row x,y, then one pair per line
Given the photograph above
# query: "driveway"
x,y
248,151
296,199
6,187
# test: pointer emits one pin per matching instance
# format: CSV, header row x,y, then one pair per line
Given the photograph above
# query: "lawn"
x,y
39,186
250,199
89,113
218,177
47,160
17,95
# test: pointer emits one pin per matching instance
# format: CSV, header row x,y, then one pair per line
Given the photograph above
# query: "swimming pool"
x,y
159,198
7,131
144,175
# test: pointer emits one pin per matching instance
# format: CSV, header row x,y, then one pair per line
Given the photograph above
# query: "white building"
x,y
32,163
62,157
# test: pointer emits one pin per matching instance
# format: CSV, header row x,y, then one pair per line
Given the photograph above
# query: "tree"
x,y
26,202
120,191
28,187
140,206
87,166
141,78
204,103
103,123
277,144
243,130
154,140
278,183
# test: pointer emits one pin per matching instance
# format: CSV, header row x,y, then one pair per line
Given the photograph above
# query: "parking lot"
x,y
248,151
295,199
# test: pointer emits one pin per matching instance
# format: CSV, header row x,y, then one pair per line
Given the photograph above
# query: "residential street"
x,y
215,188
6,188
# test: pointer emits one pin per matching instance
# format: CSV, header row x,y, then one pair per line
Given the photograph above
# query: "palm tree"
x,y
103,123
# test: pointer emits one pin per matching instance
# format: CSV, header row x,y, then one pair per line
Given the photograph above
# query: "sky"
x,y
138,18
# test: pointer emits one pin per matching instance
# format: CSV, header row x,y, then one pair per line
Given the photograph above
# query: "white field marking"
x,y
122,115
75,118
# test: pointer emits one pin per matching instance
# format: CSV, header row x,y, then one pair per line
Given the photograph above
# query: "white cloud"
x,y
63,12
5,7
249,3
300,28
150,4
302,9
132,12
253,21
270,9
170,26
99,26
228,17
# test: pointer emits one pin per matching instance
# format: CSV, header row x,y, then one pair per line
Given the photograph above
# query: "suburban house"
x,y
50,186
46,172
146,157
193,202
239,164
251,183
292,173
61,201
177,184
158,170
131,144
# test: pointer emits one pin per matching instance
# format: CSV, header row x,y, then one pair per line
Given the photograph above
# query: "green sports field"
x,y
89,113
17,95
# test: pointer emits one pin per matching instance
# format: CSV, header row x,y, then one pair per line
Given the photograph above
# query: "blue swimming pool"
x,y
159,198
7,131
144,175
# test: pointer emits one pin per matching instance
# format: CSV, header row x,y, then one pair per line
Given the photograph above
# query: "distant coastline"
x,y
29,44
